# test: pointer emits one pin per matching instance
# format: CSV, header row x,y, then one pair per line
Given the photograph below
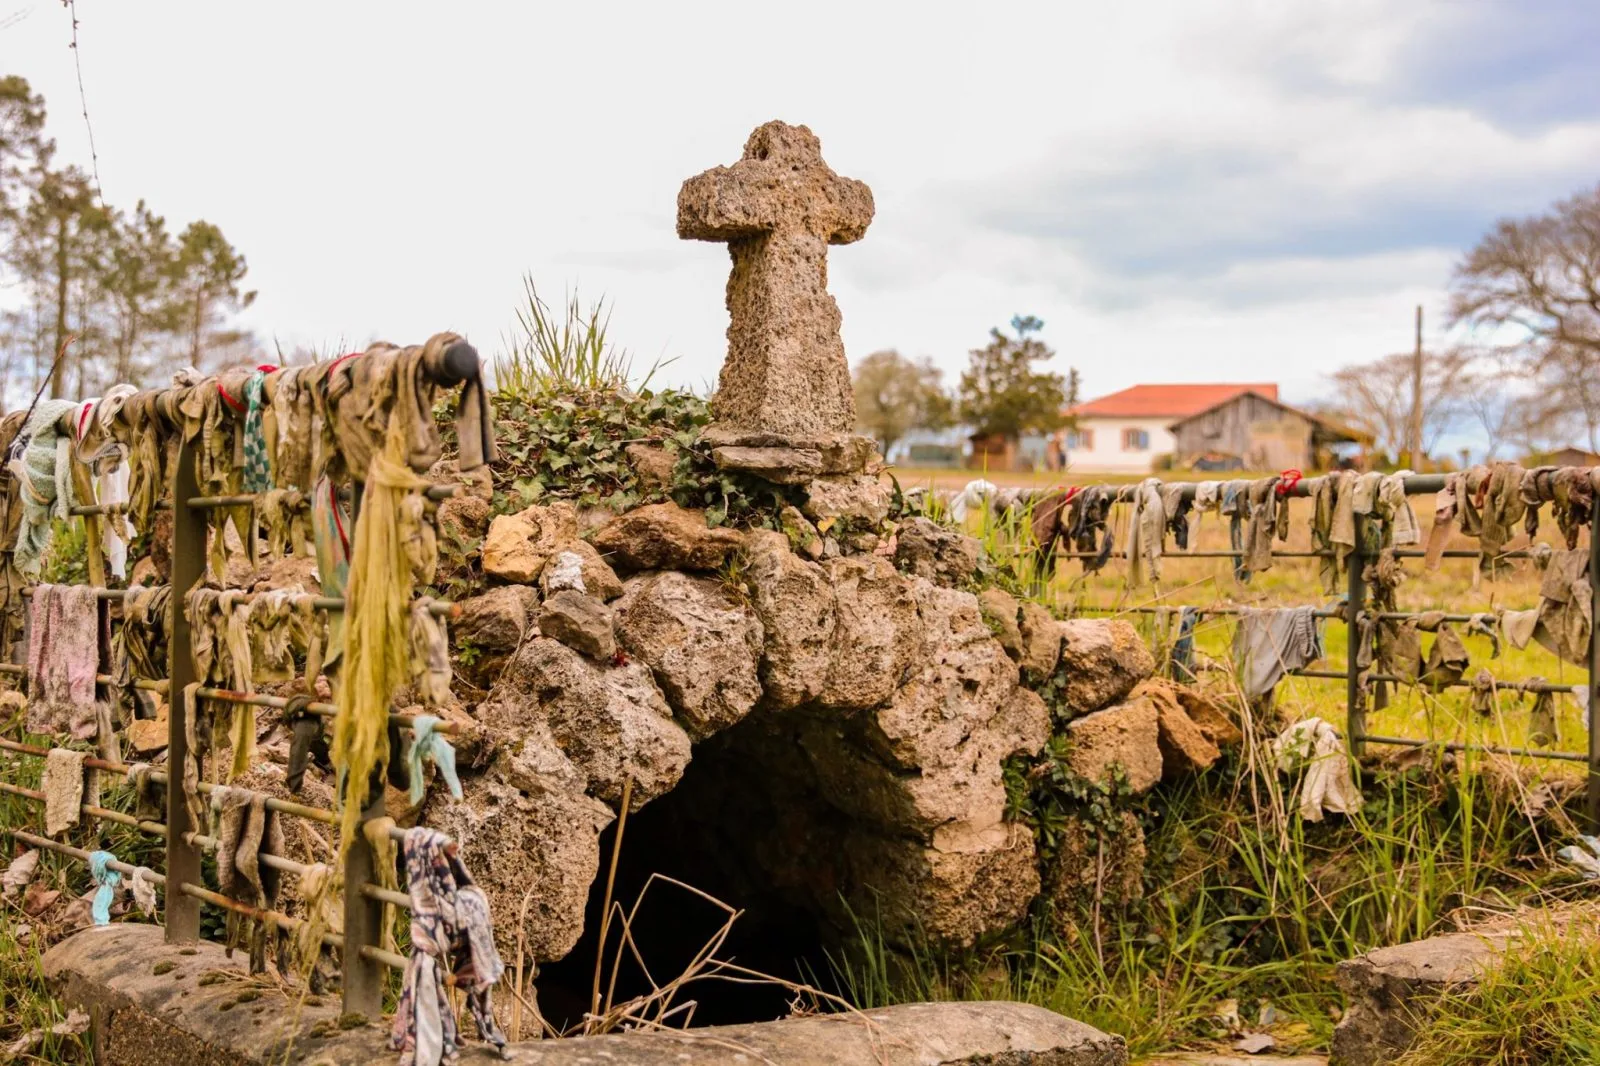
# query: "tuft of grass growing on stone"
x,y
1541,1005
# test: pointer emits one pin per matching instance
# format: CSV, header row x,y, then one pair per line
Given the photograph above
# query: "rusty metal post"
x,y
188,567
1355,601
1592,806
363,918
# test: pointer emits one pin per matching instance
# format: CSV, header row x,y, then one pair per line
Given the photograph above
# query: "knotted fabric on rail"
x,y
450,930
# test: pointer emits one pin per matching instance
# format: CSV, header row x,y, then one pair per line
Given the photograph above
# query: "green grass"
x,y
565,351
1538,1006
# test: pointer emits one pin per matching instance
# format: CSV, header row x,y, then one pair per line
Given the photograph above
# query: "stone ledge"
x,y
145,1018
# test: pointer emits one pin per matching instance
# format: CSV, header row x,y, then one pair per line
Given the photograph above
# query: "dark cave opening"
x,y
745,803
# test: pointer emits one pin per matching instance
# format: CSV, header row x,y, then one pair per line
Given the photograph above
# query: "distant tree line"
x,y
123,295
1004,393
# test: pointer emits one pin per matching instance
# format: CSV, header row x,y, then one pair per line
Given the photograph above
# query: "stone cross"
x,y
785,383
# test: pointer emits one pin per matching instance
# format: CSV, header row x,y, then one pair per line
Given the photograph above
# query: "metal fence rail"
x,y
363,960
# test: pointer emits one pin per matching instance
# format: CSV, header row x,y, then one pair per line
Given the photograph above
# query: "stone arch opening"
x,y
741,826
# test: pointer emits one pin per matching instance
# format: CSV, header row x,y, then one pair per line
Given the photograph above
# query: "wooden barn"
x,y
1251,431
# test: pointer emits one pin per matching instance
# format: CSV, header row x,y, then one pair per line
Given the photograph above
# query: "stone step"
x,y
1201,1058
149,1007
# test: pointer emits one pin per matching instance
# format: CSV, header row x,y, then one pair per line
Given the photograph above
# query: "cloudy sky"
x,y
1182,191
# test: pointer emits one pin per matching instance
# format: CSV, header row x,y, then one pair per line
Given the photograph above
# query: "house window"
x,y
1080,440
1135,440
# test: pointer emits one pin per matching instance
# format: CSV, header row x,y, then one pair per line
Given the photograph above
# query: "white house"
x,y
1125,432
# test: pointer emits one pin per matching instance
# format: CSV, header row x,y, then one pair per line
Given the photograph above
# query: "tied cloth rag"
x,y
63,658
1271,642
41,463
450,932
1327,785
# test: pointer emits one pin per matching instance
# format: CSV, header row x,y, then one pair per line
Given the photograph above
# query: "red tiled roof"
x,y
1166,401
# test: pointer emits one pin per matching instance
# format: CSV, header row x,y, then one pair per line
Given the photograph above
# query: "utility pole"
x,y
1416,398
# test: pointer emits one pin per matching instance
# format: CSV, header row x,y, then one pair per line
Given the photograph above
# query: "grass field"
x,y
1457,586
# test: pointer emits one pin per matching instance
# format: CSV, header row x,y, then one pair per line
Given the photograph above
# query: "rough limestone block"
x,y
1001,612
580,622
926,549
1390,991
497,620
518,545
664,536
1103,659
1185,748
1127,736
702,644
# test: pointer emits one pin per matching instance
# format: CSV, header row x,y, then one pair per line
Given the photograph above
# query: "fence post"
x,y
363,918
188,565
1355,600
1593,797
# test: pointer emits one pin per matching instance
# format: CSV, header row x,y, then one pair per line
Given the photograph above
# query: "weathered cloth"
x,y
330,527
1270,642
475,444
41,462
1146,525
257,475
139,648
1235,507
1542,732
450,931
1264,508
430,654
62,786
1565,606
63,658
246,830
1447,659
1182,668
387,387
387,550
288,425
143,886
1327,785
98,448
1177,504
1333,526
428,743
1502,508
285,517
1090,510
975,495
106,881
1446,505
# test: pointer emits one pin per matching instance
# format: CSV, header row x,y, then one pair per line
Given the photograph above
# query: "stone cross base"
x,y
787,460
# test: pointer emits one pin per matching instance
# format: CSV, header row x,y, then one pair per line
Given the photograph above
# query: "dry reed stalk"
x,y
611,881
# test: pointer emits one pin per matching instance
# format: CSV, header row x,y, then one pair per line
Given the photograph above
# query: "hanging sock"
x,y
107,881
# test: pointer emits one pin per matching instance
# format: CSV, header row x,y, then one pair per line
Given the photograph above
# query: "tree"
x,y
57,250
23,145
1002,395
1533,285
206,274
138,281
1376,397
895,395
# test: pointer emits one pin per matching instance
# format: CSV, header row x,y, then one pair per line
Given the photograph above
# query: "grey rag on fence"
x,y
1270,642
